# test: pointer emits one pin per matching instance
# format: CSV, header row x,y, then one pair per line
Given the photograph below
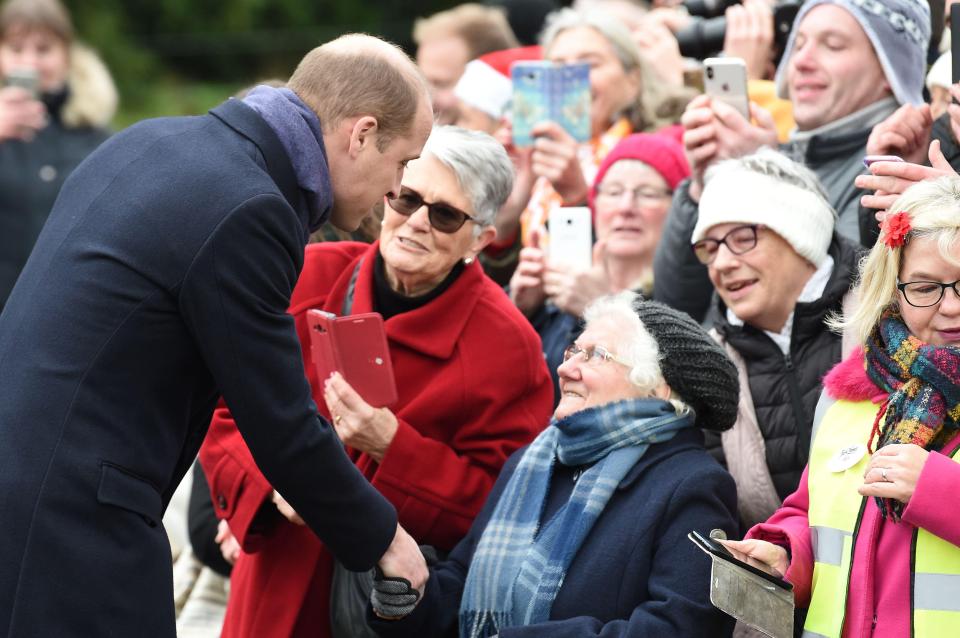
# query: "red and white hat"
x,y
485,83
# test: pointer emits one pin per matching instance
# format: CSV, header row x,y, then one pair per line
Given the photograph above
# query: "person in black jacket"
x,y
160,281
54,110
585,531
767,238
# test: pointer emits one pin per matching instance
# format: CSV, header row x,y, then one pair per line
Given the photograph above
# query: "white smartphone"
x,y
725,79
571,237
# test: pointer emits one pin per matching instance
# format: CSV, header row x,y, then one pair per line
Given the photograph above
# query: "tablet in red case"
x,y
356,347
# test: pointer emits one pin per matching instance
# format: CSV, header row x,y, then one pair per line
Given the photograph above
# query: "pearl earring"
x,y
468,260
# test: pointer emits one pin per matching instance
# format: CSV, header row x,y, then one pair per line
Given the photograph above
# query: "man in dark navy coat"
x,y
161,281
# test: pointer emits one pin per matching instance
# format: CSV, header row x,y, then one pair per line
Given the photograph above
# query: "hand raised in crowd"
x,y
761,554
555,157
905,133
229,546
403,559
660,48
888,180
893,472
507,222
286,509
749,36
571,290
526,283
358,424
954,112
714,130
21,116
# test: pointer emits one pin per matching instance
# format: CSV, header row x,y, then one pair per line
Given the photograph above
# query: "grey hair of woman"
x,y
775,164
481,165
635,346
604,23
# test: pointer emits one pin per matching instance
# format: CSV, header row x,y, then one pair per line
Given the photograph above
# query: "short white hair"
x,y
480,164
635,346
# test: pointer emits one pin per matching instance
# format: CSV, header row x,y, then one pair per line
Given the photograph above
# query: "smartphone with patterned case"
x,y
545,91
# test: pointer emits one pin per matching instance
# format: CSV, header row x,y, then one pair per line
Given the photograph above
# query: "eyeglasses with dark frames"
x,y
443,217
738,240
923,294
592,354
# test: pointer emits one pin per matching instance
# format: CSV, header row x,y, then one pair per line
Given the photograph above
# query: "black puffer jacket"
x,y
785,389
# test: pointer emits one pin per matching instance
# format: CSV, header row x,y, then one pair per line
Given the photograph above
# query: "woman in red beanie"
x,y
629,198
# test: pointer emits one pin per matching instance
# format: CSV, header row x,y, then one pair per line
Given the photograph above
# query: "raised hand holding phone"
x,y
21,114
725,79
358,424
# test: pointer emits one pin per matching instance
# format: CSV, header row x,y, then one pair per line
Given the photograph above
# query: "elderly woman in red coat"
x,y
472,385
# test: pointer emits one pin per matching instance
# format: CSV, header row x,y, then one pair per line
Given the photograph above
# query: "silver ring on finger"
x,y
883,475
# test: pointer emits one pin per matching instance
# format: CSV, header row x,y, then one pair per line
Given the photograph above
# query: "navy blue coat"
x,y
636,575
161,279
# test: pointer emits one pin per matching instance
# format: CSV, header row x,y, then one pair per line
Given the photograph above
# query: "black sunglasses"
x,y
443,217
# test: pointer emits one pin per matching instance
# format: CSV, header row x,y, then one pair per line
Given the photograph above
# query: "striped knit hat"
x,y
693,365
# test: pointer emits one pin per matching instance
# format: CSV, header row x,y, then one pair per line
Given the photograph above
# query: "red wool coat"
x,y
472,386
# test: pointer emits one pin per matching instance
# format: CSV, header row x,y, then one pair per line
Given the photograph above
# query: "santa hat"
x,y
485,83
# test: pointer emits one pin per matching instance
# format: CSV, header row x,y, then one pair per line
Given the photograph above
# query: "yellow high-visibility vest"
x,y
834,516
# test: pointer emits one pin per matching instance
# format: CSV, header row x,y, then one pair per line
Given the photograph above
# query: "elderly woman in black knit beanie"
x,y
585,530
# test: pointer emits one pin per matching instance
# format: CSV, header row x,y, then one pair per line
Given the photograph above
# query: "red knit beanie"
x,y
664,154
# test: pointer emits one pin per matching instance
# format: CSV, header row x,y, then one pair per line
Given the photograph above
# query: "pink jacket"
x,y
878,604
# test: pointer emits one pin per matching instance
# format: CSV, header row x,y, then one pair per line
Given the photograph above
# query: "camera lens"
x,y
710,72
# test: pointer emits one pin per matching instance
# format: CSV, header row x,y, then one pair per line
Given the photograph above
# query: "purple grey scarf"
x,y
299,131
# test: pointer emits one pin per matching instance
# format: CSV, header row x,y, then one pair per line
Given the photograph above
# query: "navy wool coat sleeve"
x,y
636,575
161,279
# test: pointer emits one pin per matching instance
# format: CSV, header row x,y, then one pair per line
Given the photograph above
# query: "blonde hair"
x,y
483,29
934,210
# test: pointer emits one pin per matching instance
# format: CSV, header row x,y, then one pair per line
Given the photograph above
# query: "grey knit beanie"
x,y
899,31
693,365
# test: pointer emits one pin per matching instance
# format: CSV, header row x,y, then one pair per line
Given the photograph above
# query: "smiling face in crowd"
x,y
760,286
938,324
587,384
833,70
612,88
630,207
416,255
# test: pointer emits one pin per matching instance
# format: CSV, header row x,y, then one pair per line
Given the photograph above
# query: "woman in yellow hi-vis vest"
x,y
871,538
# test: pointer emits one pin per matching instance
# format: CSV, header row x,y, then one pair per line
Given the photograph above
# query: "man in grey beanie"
x,y
847,67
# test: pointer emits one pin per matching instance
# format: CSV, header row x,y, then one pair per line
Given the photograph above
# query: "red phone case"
x,y
355,346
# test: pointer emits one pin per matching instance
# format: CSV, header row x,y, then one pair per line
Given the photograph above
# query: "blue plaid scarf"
x,y
519,565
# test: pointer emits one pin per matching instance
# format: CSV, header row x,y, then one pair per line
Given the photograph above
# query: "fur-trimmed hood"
x,y
848,380
93,96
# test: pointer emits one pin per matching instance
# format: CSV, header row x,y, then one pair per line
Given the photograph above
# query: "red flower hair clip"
x,y
895,228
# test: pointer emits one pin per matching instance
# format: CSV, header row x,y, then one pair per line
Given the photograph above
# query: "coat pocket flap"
x,y
122,489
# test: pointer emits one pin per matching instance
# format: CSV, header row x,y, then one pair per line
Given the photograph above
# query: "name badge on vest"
x,y
847,457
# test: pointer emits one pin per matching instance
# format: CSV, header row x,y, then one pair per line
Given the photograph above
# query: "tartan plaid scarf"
x,y
519,564
923,382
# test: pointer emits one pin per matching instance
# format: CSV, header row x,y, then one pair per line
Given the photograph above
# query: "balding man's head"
x,y
359,74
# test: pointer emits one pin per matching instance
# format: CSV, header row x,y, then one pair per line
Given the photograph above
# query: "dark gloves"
x,y
392,598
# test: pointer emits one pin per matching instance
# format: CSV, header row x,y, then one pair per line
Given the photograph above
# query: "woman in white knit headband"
x,y
766,234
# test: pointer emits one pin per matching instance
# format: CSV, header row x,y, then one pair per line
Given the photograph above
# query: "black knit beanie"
x,y
694,366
